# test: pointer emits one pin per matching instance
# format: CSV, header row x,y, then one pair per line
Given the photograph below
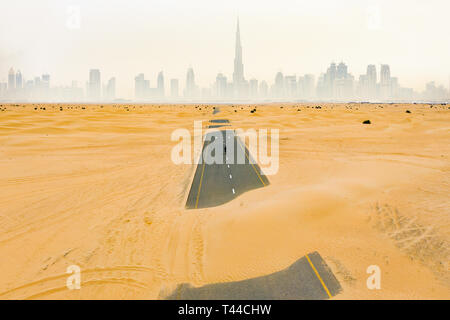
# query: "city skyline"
x,y
303,39
336,84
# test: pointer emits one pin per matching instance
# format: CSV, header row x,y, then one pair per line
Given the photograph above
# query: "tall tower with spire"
x,y
238,74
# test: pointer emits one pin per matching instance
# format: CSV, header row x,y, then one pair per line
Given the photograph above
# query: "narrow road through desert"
x,y
217,183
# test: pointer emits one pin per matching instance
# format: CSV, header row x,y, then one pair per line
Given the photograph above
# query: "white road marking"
x,y
233,190
230,176
228,165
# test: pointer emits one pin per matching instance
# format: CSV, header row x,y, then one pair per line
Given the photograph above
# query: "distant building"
x,y
362,89
305,86
385,74
110,90
370,89
308,86
44,91
69,93
253,88
37,83
174,90
11,80
141,87
263,89
239,83
94,88
46,81
190,90
341,71
329,78
3,88
206,93
221,86
336,83
394,87
160,85
434,93
278,88
325,85
385,82
19,80
290,85
28,87
343,83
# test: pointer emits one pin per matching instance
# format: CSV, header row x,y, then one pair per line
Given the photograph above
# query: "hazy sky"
x,y
127,37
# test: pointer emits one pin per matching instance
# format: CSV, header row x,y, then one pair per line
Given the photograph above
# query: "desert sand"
x,y
94,186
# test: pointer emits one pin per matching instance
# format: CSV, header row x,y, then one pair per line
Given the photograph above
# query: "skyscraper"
x,y
46,81
253,88
19,80
110,90
140,87
278,88
385,74
45,86
221,86
371,79
336,83
190,83
238,73
341,71
160,85
37,83
330,76
385,81
94,85
263,89
11,80
308,86
325,85
343,83
290,86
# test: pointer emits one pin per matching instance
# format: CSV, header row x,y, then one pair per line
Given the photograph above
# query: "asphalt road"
x,y
215,184
219,121
309,278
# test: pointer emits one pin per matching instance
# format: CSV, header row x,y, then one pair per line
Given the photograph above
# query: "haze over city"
x,y
66,39
241,150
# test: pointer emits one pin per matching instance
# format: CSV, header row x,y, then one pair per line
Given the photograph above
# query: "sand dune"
x,y
96,187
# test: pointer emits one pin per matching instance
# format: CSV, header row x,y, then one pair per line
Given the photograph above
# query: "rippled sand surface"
x,y
95,186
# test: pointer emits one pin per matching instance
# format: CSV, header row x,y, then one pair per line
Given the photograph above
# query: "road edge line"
x,y
318,276
256,171
200,185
